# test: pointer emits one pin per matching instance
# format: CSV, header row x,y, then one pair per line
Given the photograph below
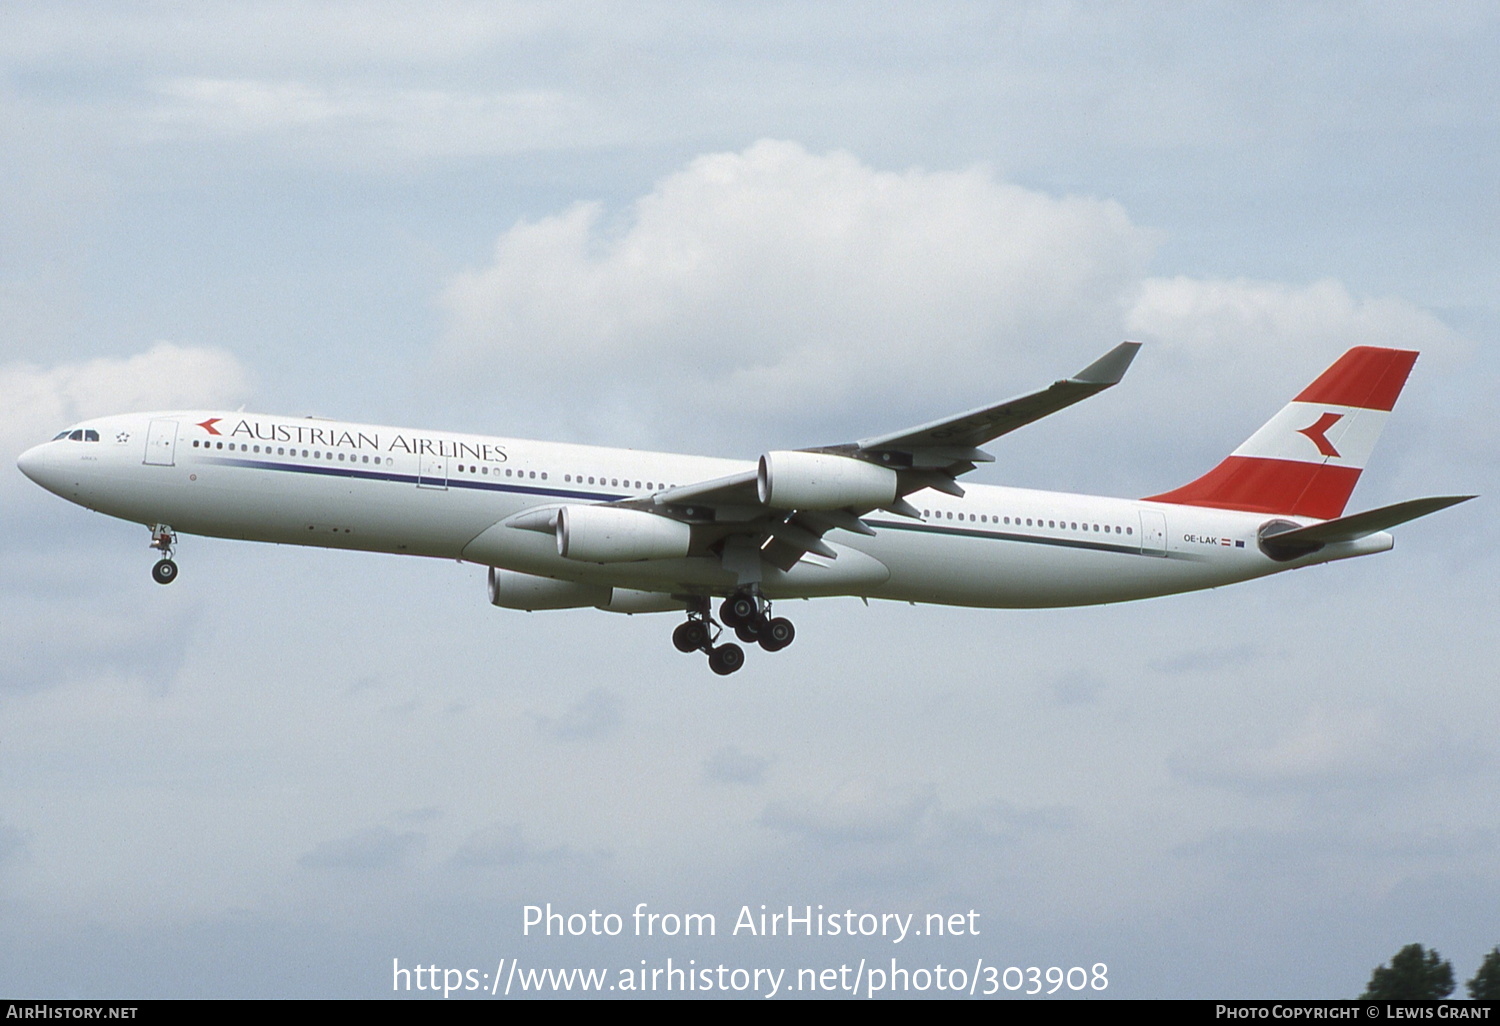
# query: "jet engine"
x,y
512,590
820,480
610,534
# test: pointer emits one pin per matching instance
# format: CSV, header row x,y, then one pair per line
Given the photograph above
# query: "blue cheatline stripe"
x,y
563,493
411,479
1033,539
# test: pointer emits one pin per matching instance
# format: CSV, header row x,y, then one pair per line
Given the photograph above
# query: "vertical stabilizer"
x,y
1306,460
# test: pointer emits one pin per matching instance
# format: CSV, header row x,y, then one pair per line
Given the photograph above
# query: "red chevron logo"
x,y
1318,432
208,425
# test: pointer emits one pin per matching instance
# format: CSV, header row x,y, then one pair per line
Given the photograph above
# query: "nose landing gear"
x,y
164,540
748,614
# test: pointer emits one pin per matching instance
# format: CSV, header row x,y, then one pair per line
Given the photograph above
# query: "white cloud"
x,y
37,402
813,288
789,281
1245,329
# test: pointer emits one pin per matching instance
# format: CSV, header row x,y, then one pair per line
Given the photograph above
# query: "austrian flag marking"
x,y
1274,471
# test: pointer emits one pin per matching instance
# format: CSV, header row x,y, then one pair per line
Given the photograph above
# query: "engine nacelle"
x,y
820,480
630,601
512,590
609,534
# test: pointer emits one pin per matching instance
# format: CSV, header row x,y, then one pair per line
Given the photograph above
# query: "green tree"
x,y
1415,974
1485,986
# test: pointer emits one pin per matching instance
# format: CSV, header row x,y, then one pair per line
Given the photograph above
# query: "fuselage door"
x,y
1153,532
432,471
161,444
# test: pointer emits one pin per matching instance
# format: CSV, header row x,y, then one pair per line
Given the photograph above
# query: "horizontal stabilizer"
x,y
1360,525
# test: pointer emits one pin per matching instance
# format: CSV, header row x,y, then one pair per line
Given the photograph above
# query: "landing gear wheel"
x,y
164,572
739,610
691,636
749,633
777,634
725,659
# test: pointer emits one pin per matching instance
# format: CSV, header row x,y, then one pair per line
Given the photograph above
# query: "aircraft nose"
x,y
41,465
31,463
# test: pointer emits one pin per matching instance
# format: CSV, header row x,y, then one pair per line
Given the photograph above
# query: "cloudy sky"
x,y
721,228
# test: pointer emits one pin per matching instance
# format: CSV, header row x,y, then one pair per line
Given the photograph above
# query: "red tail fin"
x,y
1306,460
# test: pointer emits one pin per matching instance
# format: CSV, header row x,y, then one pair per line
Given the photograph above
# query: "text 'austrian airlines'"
x,y
569,526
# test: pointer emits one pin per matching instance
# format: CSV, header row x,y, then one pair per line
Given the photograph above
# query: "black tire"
x,y
737,610
690,636
777,634
164,572
725,659
748,633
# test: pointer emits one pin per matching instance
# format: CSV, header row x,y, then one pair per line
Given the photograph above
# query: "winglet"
x,y
1109,368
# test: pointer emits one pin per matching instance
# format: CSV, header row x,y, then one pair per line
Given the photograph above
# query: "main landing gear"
x,y
164,540
748,614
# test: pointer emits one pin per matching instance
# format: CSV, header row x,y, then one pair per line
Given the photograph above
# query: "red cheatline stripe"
x,y
1260,485
1365,376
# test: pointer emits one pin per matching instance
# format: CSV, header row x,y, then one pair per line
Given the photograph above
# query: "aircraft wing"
x,y
976,427
931,455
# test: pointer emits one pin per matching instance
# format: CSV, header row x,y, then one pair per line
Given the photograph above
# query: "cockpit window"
x,y
60,436
91,435
76,436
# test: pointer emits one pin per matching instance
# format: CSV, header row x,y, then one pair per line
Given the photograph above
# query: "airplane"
x,y
570,526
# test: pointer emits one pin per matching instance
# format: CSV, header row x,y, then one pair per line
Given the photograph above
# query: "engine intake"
x,y
820,480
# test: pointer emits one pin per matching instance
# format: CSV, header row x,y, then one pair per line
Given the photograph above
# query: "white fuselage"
x,y
356,486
